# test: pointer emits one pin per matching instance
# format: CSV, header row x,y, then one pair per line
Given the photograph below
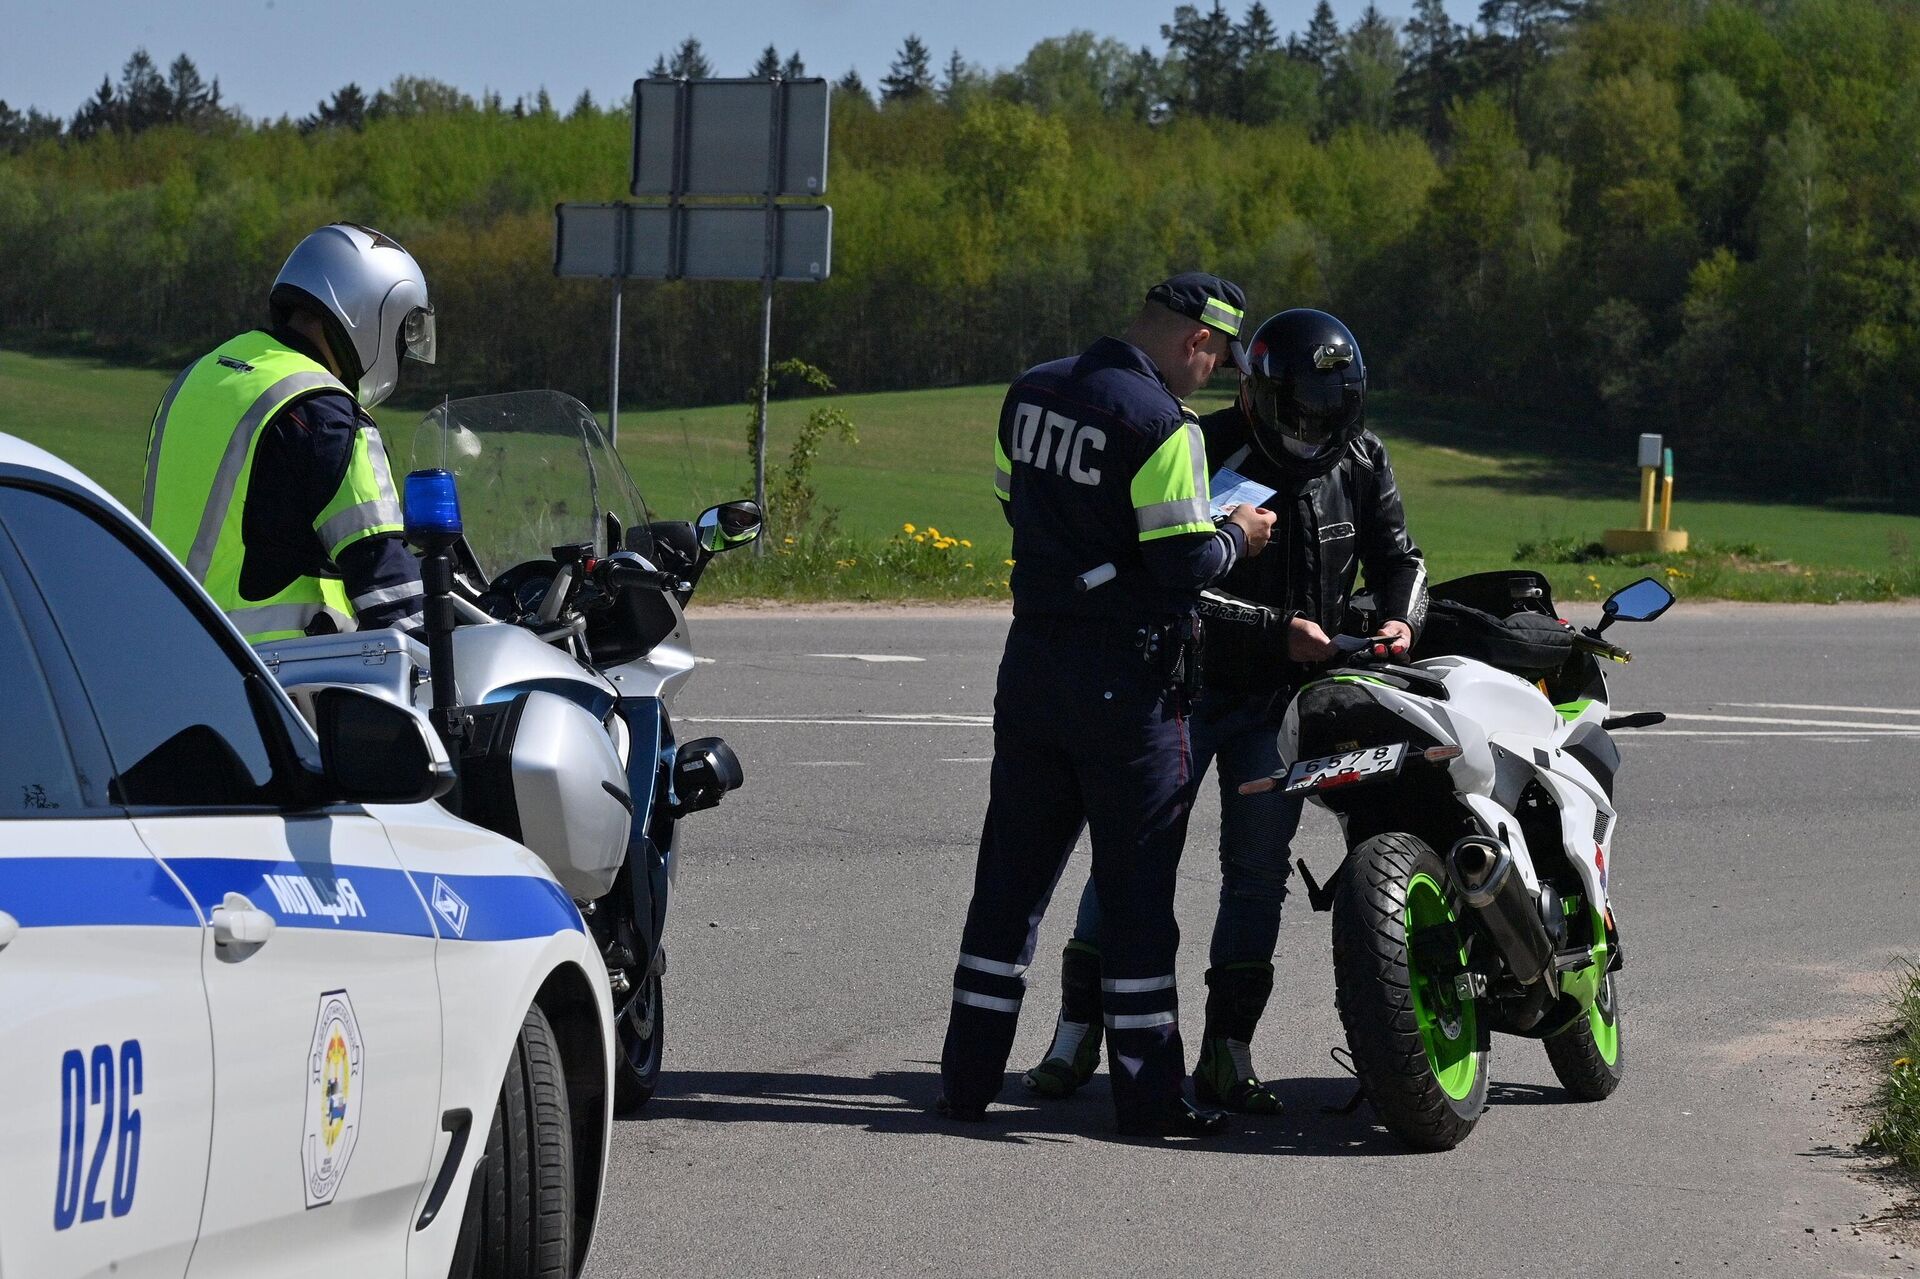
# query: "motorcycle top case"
x,y
540,769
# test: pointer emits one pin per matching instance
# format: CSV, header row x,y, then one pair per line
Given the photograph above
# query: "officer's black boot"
x,y
1236,996
1075,1051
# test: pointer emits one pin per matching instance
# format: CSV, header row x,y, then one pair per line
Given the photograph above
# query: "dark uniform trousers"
x,y
1089,731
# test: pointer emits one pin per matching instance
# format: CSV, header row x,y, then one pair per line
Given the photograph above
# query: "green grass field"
x,y
924,458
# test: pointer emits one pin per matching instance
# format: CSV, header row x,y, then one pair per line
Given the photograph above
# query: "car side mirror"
x,y
730,524
373,751
1641,601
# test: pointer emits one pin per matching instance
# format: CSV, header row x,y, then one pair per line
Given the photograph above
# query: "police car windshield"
x,y
535,472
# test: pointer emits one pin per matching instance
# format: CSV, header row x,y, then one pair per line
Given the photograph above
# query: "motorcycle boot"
x,y
1075,1051
1236,996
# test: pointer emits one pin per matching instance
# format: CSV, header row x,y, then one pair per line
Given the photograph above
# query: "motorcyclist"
x,y
265,472
1298,429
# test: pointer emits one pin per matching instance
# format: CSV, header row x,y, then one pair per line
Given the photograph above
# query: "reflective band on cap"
x,y
1139,1021
988,1002
993,966
1223,316
1133,985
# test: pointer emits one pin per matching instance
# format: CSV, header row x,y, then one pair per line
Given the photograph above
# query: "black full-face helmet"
x,y
1306,391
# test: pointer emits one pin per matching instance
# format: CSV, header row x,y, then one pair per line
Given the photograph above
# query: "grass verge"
x,y
1580,569
1895,1130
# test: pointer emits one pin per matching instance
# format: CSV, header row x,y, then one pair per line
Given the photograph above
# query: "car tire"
x,y
519,1219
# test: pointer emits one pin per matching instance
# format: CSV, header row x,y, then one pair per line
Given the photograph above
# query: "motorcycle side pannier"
x,y
542,771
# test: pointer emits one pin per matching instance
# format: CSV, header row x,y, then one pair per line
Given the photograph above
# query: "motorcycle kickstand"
x,y
1359,1093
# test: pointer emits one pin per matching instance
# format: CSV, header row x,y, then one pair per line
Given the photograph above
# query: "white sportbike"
x,y
1478,812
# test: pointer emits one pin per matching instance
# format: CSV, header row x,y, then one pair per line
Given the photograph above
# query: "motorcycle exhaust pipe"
x,y
1482,871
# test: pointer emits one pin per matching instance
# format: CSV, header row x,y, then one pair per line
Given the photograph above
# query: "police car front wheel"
x,y
519,1217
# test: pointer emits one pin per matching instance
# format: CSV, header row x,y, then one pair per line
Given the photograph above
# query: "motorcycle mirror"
x,y
730,524
1642,601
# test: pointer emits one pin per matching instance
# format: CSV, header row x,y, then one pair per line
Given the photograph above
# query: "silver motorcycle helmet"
x,y
371,298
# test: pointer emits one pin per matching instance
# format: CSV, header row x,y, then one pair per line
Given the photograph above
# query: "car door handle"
x,y
236,924
9,929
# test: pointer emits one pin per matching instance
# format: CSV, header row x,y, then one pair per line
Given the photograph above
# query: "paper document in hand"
x,y
1230,488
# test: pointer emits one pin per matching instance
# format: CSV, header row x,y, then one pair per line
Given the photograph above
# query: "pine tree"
x,y
1432,78
143,94
18,132
99,114
659,69
346,110
543,103
582,105
768,66
910,76
1256,33
1361,90
958,80
852,86
689,61
1321,45
1207,47
793,68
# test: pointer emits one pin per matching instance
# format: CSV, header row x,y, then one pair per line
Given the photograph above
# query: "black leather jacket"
x,y
1329,528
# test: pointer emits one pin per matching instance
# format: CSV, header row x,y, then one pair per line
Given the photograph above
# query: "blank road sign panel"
x,y
586,239
730,243
727,131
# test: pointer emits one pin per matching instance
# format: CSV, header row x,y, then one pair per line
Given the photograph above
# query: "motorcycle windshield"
x,y
534,471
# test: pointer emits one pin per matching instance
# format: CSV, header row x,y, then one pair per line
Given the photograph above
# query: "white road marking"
x,y
1808,706
1806,723
969,759
840,723
827,763
869,657
1822,734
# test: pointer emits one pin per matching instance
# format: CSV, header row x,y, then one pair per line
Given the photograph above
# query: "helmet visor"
x,y
417,335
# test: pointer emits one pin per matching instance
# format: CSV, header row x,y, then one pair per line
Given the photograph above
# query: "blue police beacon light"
x,y
432,506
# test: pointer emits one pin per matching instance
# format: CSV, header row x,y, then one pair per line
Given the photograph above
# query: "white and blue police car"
x,y
265,1007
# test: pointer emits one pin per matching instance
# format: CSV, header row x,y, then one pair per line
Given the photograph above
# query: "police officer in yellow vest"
x,y
265,474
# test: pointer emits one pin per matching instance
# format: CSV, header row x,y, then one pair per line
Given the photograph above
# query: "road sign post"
x,y
706,138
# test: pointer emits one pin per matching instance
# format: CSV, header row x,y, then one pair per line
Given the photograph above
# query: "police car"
x,y
265,1008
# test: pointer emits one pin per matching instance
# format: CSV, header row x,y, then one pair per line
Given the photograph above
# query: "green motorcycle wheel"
x,y
1590,1056
1419,1048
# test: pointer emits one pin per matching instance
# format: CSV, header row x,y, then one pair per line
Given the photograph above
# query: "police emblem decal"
x,y
335,1067
450,906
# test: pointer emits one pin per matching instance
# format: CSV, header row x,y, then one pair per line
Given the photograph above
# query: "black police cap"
x,y
1219,304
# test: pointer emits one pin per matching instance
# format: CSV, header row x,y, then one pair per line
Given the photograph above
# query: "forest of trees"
x,y
1694,216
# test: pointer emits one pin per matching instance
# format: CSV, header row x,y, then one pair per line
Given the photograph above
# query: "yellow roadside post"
x,y
1656,476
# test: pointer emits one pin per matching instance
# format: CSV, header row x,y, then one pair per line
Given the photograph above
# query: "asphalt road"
x,y
1765,878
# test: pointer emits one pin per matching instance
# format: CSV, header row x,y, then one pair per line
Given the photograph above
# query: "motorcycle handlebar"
x,y
1600,648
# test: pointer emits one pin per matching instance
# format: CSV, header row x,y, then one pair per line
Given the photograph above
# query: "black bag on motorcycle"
x,y
1528,644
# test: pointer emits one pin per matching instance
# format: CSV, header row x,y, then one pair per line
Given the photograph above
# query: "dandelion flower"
x,y
964,542
908,528
919,537
1008,563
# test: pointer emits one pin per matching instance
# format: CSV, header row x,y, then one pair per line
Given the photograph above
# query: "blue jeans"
x,y
1256,831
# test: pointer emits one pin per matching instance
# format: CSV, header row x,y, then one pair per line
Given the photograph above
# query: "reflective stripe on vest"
x,y
199,460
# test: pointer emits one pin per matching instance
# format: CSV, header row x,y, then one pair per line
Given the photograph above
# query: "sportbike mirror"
x,y
1642,601
730,524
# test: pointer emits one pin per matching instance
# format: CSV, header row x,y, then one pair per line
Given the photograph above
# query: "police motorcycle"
x,y
556,640
1477,806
